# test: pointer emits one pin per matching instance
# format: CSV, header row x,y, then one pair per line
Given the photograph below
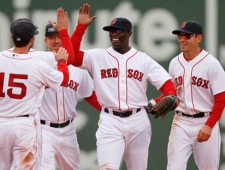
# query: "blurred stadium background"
x,y
153,21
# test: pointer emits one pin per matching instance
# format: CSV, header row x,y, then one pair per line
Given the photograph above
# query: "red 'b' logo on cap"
x,y
114,21
183,24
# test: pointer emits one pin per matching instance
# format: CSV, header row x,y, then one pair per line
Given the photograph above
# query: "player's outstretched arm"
x,y
83,21
62,27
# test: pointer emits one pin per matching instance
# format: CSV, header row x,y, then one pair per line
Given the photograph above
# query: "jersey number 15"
x,y
14,84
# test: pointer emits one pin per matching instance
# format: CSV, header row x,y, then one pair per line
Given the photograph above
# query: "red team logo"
x,y
113,21
183,24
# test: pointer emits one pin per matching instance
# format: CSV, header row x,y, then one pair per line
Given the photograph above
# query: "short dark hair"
x,y
21,43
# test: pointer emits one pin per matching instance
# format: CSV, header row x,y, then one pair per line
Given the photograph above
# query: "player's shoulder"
x,y
8,51
40,53
209,57
46,56
94,50
141,54
77,70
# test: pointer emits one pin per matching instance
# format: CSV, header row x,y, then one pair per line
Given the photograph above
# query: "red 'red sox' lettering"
x,y
178,81
200,82
195,81
113,73
108,73
135,74
73,85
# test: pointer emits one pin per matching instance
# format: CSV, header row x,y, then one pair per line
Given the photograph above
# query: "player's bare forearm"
x,y
84,15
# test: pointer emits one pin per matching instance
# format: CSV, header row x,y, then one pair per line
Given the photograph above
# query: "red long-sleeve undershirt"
x,y
167,88
76,42
217,110
93,101
67,44
62,66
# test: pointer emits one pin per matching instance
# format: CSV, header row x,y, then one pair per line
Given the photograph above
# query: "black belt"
x,y
57,125
198,115
23,116
122,114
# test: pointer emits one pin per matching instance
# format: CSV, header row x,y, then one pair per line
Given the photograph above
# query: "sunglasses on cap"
x,y
185,36
117,31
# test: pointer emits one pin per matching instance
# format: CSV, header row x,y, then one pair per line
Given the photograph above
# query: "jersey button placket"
x,y
123,74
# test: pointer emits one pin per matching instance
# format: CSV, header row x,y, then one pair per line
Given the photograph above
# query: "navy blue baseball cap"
x,y
23,29
189,27
121,23
49,29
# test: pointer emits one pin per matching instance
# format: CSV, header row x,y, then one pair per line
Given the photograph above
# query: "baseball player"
x,y
21,78
121,75
57,112
199,80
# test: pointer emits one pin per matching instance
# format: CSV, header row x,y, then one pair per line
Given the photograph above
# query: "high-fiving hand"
x,y
84,15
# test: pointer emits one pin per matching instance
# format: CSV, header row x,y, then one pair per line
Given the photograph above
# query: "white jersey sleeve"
x,y
45,56
86,85
49,76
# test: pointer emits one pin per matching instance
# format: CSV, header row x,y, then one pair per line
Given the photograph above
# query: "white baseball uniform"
x,y
121,82
21,78
58,109
197,81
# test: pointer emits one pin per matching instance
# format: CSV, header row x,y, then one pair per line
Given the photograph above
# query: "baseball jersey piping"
x,y
56,103
57,106
64,110
118,78
127,78
192,99
17,58
183,76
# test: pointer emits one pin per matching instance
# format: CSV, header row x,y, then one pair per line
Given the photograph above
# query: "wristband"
x,y
152,101
60,60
